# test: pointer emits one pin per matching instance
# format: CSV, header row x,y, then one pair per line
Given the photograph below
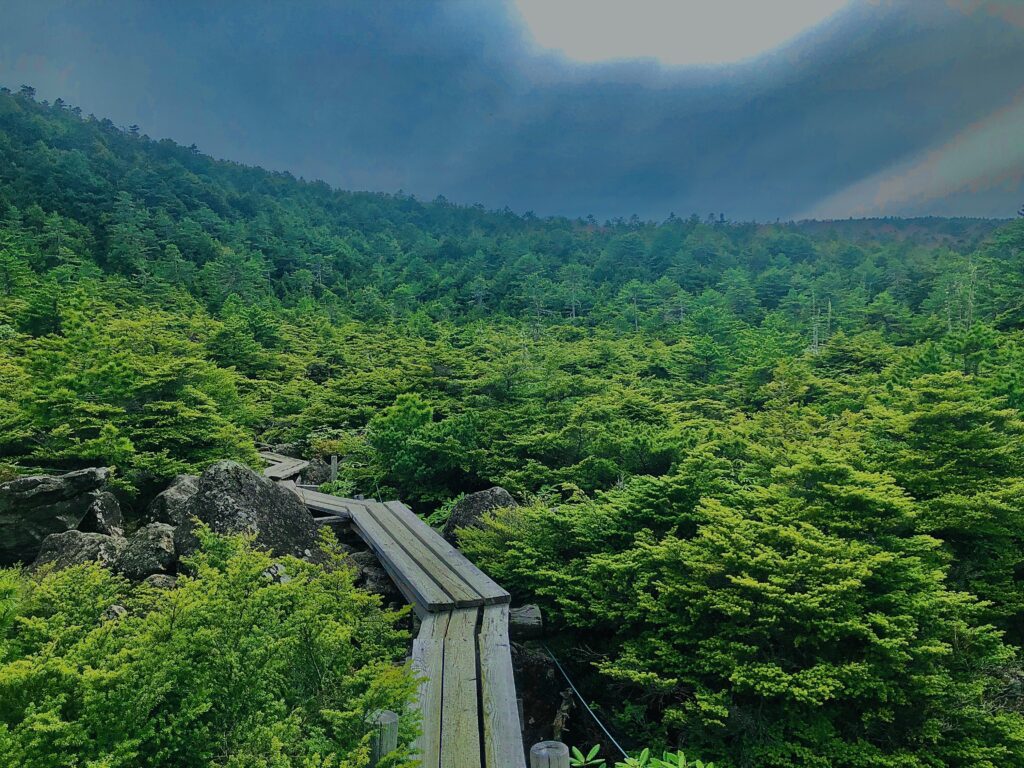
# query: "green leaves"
x,y
772,475
642,760
805,618
578,760
230,668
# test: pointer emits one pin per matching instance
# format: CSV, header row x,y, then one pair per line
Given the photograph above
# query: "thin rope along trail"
x,y
584,701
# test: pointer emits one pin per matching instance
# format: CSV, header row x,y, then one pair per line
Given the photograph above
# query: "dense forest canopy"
x,y
774,474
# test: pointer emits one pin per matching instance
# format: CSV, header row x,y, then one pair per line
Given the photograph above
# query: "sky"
x,y
757,109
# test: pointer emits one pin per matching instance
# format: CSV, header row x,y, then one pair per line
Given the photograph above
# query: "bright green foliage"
x,y
232,668
126,387
959,452
643,760
767,622
772,473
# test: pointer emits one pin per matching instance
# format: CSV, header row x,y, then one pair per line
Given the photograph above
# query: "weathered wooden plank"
x,y
286,469
274,458
416,585
503,742
384,737
460,723
277,458
472,576
461,594
466,687
434,626
323,502
549,754
427,664
494,624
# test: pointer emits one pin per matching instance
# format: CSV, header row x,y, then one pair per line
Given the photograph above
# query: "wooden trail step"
x,y
282,467
439,548
462,654
430,572
467,694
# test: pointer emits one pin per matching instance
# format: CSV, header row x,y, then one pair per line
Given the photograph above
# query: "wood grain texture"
x,y
282,467
323,502
428,665
461,594
418,587
460,714
479,581
503,743
549,754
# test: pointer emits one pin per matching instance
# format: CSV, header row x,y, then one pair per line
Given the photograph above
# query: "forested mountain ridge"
x,y
774,473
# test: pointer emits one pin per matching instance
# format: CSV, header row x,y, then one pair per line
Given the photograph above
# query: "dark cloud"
x,y
451,98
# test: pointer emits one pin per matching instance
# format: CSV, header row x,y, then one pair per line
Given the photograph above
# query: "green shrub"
x,y
237,666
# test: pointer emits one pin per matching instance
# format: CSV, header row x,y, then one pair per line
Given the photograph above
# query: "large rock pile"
x,y
32,508
149,551
231,498
72,518
62,550
65,520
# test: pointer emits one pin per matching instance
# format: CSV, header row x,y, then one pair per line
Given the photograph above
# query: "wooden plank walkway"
x,y
282,467
467,694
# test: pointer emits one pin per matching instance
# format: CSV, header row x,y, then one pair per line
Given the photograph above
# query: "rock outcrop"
x,y
32,508
469,510
377,581
63,550
291,450
103,515
115,612
317,473
161,581
169,505
150,550
231,498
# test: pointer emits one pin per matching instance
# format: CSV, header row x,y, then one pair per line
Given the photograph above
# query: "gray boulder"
x,y
103,515
277,573
317,473
115,612
169,505
32,508
150,550
291,450
64,550
469,510
161,581
232,498
363,559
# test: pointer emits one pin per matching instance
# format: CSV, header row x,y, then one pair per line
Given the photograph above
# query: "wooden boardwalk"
x,y
282,467
467,697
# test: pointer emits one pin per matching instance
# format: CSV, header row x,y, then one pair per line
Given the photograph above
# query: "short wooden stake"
x,y
385,736
549,754
334,467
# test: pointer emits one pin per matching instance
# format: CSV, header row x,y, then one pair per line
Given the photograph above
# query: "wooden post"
x,y
549,754
334,467
385,736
